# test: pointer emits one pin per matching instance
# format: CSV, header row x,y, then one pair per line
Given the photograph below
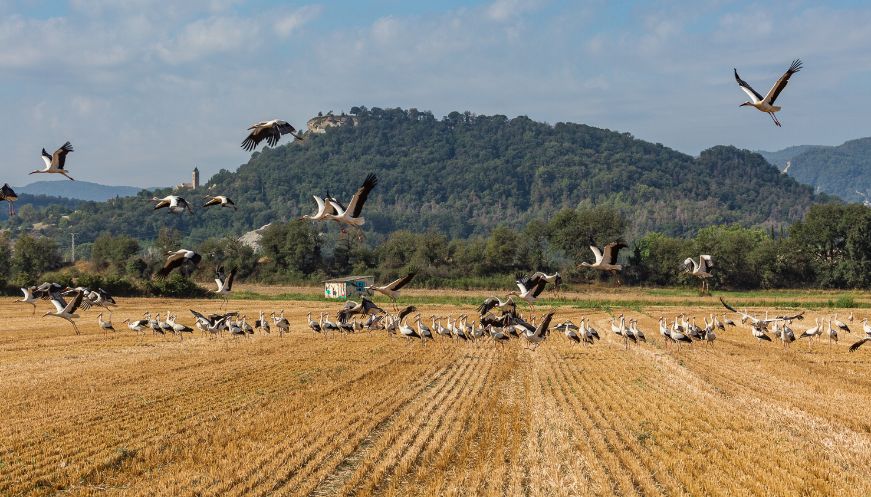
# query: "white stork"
x,y
225,283
393,288
173,203
606,260
325,208
766,103
351,214
270,131
183,259
29,298
866,339
529,288
9,195
700,269
66,310
54,163
221,200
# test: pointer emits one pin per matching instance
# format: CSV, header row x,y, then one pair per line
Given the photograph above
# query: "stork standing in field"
x,y
54,163
351,215
221,200
766,103
271,131
700,269
225,283
393,288
840,324
184,259
9,195
138,325
29,297
606,259
812,333
173,204
104,325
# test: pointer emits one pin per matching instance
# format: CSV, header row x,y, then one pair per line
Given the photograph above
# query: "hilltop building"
x,y
320,123
195,181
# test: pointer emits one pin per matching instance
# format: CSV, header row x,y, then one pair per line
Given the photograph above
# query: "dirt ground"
x,y
365,414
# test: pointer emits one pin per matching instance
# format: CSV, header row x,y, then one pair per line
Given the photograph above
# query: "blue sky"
x,y
147,89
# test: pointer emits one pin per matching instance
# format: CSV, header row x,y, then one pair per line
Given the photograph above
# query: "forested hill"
x,y
844,170
465,174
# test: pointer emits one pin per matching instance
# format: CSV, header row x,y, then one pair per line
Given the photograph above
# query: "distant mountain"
x,y
79,190
465,174
778,159
844,170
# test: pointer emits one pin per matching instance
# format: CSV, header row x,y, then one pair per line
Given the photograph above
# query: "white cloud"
x,y
505,10
288,24
210,36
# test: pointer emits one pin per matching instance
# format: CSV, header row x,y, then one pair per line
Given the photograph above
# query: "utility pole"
x,y
73,248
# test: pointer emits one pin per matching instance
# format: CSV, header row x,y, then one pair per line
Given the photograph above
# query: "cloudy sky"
x,y
147,89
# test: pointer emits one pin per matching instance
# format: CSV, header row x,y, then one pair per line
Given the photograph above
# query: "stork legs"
x,y
776,122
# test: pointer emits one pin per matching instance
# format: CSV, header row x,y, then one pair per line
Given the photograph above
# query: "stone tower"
x,y
195,180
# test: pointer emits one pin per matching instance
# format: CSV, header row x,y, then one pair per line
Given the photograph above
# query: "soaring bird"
x,y
535,338
393,288
351,214
766,103
9,195
529,289
224,282
606,260
701,269
221,200
174,204
507,307
366,308
764,322
66,310
270,131
54,163
184,259
29,297
325,208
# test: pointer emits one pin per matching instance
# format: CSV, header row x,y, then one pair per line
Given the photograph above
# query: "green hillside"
x,y
844,170
465,174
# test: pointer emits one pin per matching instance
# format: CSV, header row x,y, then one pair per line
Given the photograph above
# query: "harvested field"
x,y
363,414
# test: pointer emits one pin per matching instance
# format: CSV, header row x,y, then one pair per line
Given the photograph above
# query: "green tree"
x,y
113,252
293,248
33,256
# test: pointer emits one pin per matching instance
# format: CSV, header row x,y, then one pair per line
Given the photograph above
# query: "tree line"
x,y
829,248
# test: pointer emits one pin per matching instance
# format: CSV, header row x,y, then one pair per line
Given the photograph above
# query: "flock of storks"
x,y
366,315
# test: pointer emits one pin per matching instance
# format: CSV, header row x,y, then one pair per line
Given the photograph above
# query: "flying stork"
x,y
606,260
270,131
221,200
325,208
766,103
174,204
529,289
29,297
225,283
66,310
700,269
9,195
761,323
184,259
351,215
393,288
54,163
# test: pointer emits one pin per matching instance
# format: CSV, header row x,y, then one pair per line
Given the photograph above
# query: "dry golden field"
x,y
308,415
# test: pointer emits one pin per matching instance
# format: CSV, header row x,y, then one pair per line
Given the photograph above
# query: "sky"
x,y
148,89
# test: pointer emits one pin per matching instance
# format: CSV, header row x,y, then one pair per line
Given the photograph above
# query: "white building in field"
x,y
347,287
